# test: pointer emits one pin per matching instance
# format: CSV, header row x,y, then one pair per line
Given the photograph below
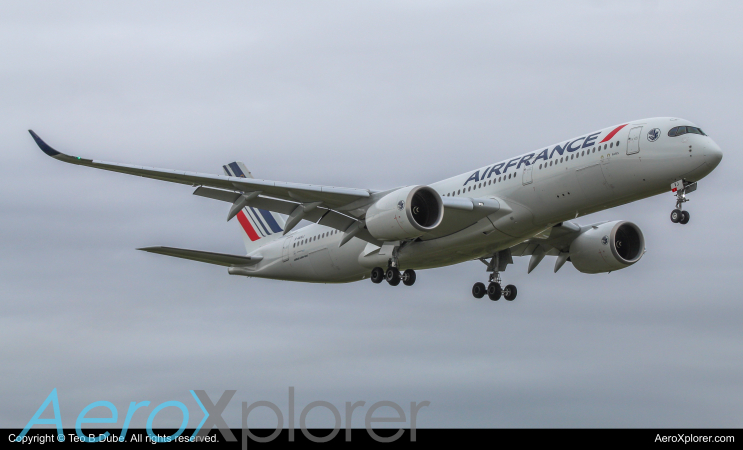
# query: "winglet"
x,y
43,145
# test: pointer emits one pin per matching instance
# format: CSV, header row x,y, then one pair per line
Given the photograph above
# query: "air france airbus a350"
x,y
516,207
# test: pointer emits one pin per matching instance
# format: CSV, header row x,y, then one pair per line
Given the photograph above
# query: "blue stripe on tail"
x,y
258,219
270,221
254,222
236,170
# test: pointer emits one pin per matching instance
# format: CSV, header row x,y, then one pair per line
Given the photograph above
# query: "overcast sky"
x,y
366,95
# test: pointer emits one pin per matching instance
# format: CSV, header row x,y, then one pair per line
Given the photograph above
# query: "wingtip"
x,y
43,145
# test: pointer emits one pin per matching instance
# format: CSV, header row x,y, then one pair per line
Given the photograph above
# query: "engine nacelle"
x,y
405,213
608,247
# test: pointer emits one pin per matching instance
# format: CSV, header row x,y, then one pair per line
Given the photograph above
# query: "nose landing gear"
x,y
678,216
681,188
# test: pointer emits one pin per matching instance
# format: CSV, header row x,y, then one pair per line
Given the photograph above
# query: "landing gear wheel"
x,y
676,215
377,275
685,216
393,276
494,291
408,277
509,293
478,290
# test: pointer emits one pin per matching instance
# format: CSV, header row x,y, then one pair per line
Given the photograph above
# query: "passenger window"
x,y
611,145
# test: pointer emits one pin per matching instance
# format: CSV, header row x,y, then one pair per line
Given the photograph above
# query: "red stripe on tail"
x,y
611,135
247,226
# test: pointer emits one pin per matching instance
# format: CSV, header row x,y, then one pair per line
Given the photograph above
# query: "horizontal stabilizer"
x,y
221,259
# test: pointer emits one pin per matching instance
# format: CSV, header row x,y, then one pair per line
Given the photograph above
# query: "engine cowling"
x,y
405,213
608,247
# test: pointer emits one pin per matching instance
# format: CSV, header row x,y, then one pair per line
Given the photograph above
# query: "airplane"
x,y
521,206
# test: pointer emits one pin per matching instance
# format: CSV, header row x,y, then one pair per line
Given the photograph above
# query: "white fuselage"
x,y
563,181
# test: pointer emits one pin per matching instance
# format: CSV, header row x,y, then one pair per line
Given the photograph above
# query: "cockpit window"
x,y
695,130
678,131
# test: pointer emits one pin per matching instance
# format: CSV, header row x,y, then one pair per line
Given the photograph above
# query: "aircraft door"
x,y
633,143
527,177
287,249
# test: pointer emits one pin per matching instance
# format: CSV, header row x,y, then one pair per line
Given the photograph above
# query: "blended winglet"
x,y
46,148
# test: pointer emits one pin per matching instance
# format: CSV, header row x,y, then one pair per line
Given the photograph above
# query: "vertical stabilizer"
x,y
258,226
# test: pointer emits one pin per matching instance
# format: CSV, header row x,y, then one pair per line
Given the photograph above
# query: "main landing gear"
x,y
681,188
393,276
495,266
494,289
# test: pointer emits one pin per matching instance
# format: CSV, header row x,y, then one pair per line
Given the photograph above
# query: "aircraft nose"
x,y
713,155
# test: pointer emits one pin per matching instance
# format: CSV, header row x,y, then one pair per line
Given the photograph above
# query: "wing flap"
x,y
320,215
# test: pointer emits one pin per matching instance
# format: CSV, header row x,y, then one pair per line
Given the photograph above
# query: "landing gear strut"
x,y
681,188
494,290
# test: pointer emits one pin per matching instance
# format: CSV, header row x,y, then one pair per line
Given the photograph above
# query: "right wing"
x,y
339,198
337,207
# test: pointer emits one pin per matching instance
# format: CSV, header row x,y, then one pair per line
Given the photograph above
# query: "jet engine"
x,y
405,213
607,247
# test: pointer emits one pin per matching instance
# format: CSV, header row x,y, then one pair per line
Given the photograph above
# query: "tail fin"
x,y
259,226
237,169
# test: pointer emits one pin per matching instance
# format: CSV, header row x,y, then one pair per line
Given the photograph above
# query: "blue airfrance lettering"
x,y
542,155
474,177
526,160
590,139
510,163
559,149
571,148
495,169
